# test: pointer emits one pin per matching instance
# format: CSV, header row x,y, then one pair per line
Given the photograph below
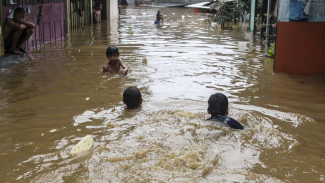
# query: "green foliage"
x,y
260,24
246,5
270,53
229,13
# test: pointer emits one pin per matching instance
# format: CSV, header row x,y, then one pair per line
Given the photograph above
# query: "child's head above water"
x,y
218,104
112,54
112,50
132,97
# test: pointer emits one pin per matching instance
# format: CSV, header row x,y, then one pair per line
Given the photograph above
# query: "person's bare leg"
x,y
30,32
15,41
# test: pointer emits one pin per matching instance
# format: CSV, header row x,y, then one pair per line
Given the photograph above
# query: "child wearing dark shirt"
x,y
218,108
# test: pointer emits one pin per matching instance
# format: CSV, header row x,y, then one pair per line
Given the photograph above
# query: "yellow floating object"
x,y
83,145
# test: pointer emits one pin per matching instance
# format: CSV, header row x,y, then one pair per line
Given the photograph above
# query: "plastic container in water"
x,y
242,43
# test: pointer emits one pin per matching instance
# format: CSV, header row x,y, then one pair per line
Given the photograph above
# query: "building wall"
x,y
300,48
112,7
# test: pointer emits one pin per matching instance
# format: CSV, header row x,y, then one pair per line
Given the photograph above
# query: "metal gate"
x,y
80,13
80,17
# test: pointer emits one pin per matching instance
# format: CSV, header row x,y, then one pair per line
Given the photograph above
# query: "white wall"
x,y
112,7
130,2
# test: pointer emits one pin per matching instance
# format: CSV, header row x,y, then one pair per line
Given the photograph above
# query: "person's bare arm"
x,y
124,69
28,24
99,16
95,16
15,25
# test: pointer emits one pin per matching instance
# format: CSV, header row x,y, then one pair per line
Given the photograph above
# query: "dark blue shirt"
x,y
157,22
227,121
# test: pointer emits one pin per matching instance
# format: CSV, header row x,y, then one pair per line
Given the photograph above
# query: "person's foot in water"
x,y
22,50
15,51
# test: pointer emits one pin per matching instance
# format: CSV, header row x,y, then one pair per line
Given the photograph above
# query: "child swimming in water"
x,y
160,18
218,108
132,97
115,64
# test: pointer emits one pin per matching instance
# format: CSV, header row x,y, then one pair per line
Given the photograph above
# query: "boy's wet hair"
x,y
218,104
112,50
19,10
132,97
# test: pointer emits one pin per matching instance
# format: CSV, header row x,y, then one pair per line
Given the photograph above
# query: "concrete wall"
x,y
112,7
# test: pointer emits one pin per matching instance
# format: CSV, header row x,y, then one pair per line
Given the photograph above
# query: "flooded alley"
x,y
56,97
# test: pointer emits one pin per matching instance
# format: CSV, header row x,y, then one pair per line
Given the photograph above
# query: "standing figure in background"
x,y
94,6
160,18
97,13
16,32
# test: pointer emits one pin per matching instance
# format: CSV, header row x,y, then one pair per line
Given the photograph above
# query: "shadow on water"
x,y
48,103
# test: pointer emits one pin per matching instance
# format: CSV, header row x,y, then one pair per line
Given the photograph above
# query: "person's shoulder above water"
x,y
218,108
115,64
227,121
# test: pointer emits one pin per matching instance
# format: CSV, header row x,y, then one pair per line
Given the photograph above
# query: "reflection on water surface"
x,y
47,104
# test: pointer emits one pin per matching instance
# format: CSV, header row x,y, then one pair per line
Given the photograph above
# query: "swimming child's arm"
x,y
233,123
227,121
124,69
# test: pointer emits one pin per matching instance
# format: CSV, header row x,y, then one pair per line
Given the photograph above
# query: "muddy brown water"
x,y
51,101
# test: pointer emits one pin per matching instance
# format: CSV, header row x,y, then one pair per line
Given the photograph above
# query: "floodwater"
x,y
51,101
